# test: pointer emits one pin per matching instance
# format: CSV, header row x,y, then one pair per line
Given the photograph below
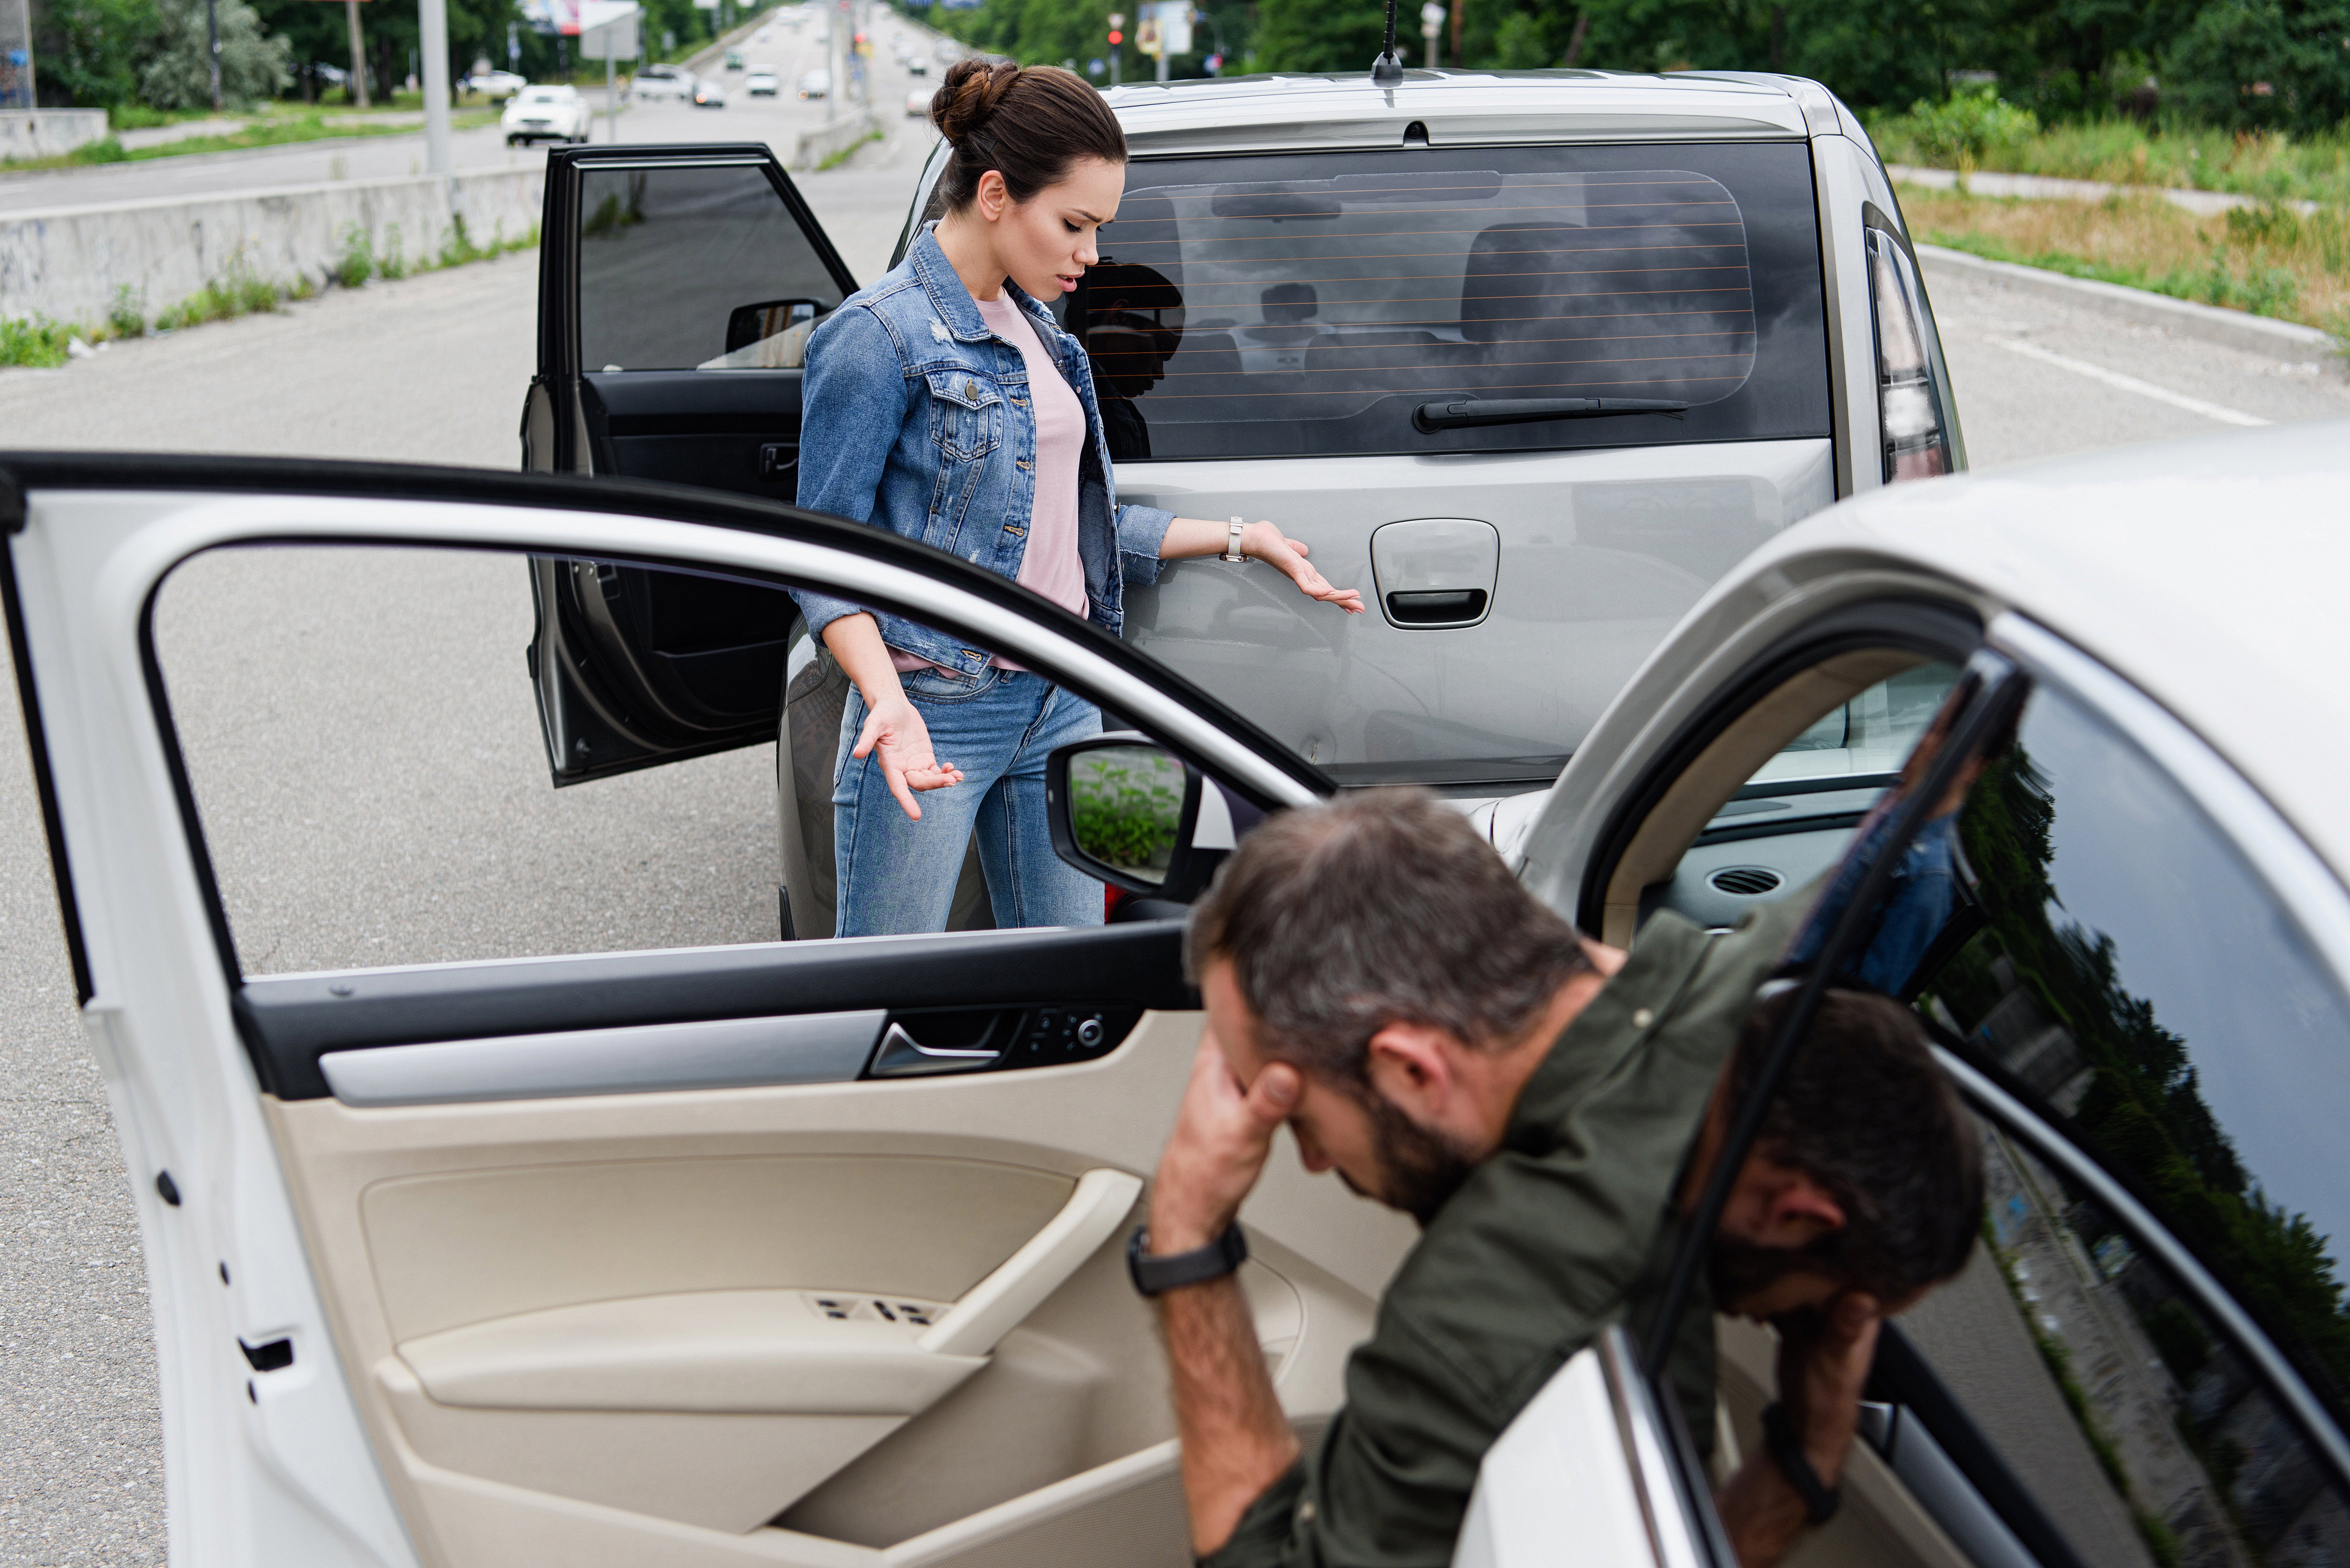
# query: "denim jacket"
x,y
916,418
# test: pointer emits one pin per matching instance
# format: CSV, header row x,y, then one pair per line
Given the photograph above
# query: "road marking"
x,y
2226,416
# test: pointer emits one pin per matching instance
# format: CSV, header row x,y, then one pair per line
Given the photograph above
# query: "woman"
x,y
943,404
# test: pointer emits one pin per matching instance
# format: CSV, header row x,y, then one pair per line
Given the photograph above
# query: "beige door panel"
x,y
494,1269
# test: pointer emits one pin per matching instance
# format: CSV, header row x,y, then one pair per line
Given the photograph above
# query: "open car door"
x,y
677,289
626,1240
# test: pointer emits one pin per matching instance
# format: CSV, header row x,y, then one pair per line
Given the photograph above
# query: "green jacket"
x,y
1566,1230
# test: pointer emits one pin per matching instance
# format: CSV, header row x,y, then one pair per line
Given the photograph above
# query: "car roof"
x,y
1271,112
2208,572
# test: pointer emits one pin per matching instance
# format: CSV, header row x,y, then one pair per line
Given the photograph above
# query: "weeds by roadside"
x,y
2266,259
835,161
40,343
1975,127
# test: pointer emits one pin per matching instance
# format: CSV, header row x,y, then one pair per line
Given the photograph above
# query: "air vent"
x,y
1745,881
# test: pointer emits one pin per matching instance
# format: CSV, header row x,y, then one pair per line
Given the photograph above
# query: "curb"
x,y
2056,188
2231,328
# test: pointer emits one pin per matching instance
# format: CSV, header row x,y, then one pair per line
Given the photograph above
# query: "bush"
x,y
127,317
357,264
2264,64
38,342
253,64
1971,125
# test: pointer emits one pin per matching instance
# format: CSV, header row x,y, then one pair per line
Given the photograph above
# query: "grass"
x,y
271,131
39,342
2270,166
836,159
2266,259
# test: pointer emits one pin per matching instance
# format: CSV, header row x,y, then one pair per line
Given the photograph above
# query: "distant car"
x,y
494,84
762,82
709,94
918,104
734,59
916,65
817,83
546,114
655,81
764,35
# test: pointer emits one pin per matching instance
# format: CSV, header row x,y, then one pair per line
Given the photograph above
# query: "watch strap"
x,y
1155,1276
1232,551
1786,1446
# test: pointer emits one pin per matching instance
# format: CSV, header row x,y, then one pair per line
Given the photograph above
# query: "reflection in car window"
x,y
667,256
1307,305
2106,949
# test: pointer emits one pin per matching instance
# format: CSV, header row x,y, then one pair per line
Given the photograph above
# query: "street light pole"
x,y
432,43
211,26
357,85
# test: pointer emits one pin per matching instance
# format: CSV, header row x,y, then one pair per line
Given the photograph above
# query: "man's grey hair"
x,y
1386,906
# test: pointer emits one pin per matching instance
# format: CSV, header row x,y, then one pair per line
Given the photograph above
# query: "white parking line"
x,y
2225,415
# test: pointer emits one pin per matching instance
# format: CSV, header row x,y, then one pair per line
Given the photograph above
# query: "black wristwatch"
x,y
1786,1445
1156,1276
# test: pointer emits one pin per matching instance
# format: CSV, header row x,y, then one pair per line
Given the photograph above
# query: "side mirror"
x,y
748,323
1129,813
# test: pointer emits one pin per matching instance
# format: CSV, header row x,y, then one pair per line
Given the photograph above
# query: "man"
x,y
1549,1109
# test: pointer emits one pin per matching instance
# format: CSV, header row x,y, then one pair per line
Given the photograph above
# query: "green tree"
x,y
252,64
88,52
2279,65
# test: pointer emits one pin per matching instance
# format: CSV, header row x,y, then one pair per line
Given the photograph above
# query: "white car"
x,y
678,1253
709,93
494,84
762,82
545,113
817,83
916,65
918,103
654,83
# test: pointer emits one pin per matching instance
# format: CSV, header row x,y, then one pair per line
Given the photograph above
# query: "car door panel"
x,y
440,1225
654,261
381,1322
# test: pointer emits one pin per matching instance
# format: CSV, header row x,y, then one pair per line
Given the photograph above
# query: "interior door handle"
x,y
997,1304
777,458
903,1056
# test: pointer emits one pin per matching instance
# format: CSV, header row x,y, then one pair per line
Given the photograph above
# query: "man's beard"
x,y
1741,1270
1420,1170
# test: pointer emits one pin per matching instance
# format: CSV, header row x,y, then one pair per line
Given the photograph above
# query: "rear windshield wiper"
x,y
1459,414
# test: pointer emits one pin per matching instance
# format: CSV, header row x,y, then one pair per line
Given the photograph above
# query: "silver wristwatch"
x,y
1233,545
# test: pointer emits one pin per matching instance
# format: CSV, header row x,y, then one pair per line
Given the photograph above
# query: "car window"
x,y
368,759
1307,305
1793,815
2134,976
671,259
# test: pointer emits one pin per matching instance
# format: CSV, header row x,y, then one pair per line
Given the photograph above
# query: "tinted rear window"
x,y
1306,305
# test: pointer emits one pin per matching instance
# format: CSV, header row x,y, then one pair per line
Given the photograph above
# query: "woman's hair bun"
x,y
968,96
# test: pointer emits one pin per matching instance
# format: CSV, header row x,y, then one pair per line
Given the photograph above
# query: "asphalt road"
x,y
483,858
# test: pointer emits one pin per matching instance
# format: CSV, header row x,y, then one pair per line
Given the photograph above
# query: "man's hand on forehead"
x,y
1223,1134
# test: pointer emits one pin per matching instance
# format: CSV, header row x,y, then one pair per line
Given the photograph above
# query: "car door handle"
x,y
903,1056
777,458
1445,607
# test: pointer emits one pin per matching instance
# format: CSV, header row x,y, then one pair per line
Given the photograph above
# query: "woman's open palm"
x,y
895,735
1271,545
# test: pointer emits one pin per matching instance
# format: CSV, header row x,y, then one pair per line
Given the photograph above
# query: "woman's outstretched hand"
x,y
1276,549
896,732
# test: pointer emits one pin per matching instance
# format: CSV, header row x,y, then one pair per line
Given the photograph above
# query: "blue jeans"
x,y
896,875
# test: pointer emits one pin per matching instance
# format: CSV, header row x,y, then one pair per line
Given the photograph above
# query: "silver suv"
x,y
1530,357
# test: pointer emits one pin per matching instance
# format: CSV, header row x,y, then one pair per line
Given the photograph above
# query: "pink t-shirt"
x,y
1050,565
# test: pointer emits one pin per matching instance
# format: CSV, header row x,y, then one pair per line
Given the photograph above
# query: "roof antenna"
x,y
1388,71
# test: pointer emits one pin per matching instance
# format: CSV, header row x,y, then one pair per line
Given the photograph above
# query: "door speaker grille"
x,y
1745,881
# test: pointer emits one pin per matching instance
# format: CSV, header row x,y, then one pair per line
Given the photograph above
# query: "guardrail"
x,y
76,264
835,136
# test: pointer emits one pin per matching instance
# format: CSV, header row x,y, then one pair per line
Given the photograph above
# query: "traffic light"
x,y
1117,37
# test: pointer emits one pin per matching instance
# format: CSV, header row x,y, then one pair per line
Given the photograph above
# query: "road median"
x,y
84,264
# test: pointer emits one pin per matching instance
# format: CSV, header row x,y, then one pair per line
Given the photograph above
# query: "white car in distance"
x,y
545,113
817,83
918,103
762,82
494,84
654,82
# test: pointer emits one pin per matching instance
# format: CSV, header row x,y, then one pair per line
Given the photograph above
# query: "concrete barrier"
x,y
833,136
2187,318
48,132
72,263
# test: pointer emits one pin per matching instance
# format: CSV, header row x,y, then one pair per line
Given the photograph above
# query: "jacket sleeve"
x,y
853,401
1141,530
